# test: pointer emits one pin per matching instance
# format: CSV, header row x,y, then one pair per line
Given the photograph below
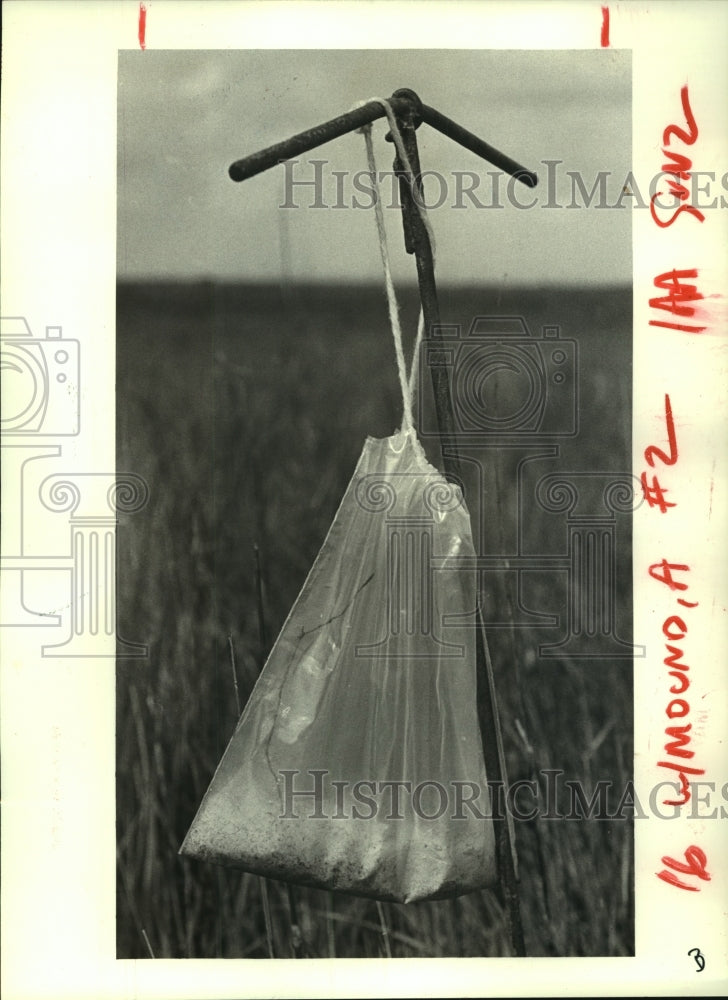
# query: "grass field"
x,y
245,409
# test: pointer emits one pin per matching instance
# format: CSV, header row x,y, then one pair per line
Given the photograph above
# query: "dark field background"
x,y
245,409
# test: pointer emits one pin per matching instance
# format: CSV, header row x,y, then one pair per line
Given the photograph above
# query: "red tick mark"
x,y
142,26
605,27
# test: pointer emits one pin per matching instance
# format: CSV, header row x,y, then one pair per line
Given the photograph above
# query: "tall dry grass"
x,y
246,410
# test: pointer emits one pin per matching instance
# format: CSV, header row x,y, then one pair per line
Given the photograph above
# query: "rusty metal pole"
x,y
417,242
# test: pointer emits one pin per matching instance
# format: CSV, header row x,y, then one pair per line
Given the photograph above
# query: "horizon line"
x,y
360,283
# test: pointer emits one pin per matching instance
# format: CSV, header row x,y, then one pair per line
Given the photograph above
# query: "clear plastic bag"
x,y
357,764
353,762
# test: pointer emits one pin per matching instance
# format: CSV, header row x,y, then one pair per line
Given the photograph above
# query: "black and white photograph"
x,y
256,352
362,610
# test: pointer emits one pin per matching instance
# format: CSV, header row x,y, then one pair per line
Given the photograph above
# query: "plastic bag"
x,y
353,762
357,764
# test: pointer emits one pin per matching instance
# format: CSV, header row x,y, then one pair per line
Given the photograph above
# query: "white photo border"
x,y
59,267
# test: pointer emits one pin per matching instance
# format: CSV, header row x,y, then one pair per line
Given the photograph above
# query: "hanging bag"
x,y
357,764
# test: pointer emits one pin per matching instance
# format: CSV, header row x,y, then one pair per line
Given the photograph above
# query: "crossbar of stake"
x,y
410,112
404,102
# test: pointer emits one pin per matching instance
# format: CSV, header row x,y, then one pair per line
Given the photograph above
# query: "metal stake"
x,y
410,112
417,242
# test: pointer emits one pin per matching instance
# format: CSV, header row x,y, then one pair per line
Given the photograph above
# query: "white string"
x,y
397,136
407,383
407,421
414,368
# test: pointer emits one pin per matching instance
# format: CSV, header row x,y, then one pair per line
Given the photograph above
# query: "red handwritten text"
x,y
677,295
605,28
676,299
696,862
678,166
655,494
674,629
142,26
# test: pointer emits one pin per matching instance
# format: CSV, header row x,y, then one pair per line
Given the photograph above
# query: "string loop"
x,y
406,382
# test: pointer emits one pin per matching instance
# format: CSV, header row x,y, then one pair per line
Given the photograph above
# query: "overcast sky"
x,y
184,116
